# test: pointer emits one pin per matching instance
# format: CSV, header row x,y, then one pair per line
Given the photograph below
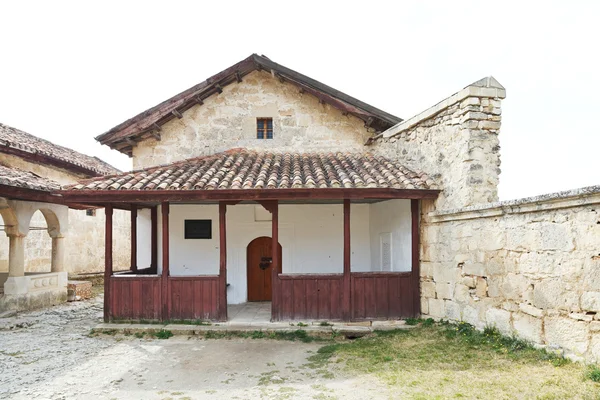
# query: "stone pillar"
x,y
16,255
58,254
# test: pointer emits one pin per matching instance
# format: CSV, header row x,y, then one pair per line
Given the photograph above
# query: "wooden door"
x,y
259,269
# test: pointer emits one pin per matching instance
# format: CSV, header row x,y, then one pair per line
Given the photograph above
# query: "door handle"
x,y
265,262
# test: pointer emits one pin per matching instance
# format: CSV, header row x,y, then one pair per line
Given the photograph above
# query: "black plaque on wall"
x,y
198,229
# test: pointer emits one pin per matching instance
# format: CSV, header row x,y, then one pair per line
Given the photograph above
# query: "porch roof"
x,y
241,171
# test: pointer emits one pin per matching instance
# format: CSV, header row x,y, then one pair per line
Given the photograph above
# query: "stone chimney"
x,y
455,142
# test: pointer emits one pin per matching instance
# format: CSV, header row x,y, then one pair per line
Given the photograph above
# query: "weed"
x,y
139,335
593,373
163,334
301,324
413,321
109,332
325,323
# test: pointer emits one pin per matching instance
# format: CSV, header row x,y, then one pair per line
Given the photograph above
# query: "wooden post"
x,y
154,239
347,294
166,303
223,261
108,260
275,301
416,248
133,238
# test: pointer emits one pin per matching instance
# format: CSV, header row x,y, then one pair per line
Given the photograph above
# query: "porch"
x,y
323,270
347,250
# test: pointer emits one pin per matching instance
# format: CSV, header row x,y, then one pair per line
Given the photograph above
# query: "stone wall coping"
x,y
487,87
570,198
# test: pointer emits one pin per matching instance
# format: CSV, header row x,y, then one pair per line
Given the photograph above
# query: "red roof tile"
x,y
14,177
243,169
13,138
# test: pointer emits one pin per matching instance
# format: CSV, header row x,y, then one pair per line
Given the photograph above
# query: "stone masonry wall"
x,y
455,142
529,267
228,120
84,236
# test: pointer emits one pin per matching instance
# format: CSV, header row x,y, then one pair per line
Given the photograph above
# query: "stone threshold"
x,y
356,329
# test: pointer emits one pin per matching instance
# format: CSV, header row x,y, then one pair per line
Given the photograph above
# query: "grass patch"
x,y
593,373
162,334
297,335
325,323
445,360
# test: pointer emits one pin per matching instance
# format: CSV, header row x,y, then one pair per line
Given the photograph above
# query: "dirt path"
x,y
49,355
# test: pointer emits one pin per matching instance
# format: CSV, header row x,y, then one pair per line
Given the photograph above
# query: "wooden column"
x,y
416,248
166,303
275,300
347,294
108,260
133,238
154,239
223,261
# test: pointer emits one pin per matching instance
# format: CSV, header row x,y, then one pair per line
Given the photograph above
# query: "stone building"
x,y
46,238
261,183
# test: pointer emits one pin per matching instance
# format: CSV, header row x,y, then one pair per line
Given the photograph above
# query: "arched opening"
x,y
38,244
259,268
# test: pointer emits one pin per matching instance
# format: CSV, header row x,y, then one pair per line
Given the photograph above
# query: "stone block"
x,y
531,310
481,287
594,349
428,289
445,273
468,281
567,333
437,308
461,293
424,306
444,290
474,269
528,327
499,319
470,315
590,301
453,311
581,317
495,125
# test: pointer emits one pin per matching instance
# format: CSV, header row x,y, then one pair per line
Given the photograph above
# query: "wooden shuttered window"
x,y
264,128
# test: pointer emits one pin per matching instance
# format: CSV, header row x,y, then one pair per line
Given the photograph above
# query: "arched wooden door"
x,y
259,267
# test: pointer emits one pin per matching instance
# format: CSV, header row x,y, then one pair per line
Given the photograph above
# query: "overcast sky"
x,y
70,71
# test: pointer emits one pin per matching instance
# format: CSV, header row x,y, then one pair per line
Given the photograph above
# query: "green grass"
x,y
163,334
444,360
297,335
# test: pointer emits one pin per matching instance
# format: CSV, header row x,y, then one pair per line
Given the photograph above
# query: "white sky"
x,y
70,71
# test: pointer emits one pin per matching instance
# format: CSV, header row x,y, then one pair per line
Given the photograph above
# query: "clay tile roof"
x,y
15,139
244,169
27,180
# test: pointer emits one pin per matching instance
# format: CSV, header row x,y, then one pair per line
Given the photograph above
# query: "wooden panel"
x,y
379,295
194,297
135,297
309,297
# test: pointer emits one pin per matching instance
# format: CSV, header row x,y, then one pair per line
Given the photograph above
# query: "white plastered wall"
x,y
391,217
311,236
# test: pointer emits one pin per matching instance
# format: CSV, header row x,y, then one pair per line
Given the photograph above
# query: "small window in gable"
x,y
264,128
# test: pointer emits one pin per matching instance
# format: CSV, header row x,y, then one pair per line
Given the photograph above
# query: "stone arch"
x,y
52,222
11,223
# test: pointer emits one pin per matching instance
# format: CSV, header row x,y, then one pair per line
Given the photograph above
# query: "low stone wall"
x,y
529,267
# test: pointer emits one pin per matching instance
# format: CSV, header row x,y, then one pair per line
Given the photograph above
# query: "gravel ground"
x,y
49,354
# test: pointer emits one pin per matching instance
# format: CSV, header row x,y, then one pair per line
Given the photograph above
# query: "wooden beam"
x,y
156,126
268,205
238,76
133,211
416,256
199,100
177,114
222,300
347,295
219,88
154,239
108,260
369,122
130,142
275,300
166,298
155,135
136,196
